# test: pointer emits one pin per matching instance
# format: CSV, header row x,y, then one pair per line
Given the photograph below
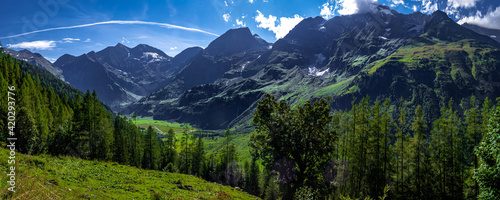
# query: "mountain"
x,y
35,59
492,33
87,72
225,56
120,74
235,41
424,59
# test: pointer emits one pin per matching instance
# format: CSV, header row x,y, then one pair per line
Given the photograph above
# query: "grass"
x,y
335,89
162,125
239,140
212,144
48,177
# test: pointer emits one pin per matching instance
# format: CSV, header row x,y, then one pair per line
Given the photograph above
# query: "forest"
x,y
375,149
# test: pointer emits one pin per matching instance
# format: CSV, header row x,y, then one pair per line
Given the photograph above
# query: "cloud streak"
x,y
122,22
70,40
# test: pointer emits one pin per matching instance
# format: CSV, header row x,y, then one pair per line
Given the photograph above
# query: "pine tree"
x,y
473,136
170,154
185,154
488,173
418,127
400,148
252,178
385,129
198,157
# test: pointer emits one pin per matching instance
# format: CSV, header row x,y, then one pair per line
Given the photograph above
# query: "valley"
x,y
375,104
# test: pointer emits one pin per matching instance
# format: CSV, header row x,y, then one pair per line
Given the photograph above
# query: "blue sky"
x,y
55,27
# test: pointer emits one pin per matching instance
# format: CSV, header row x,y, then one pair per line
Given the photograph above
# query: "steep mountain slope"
x,y
423,59
492,33
35,59
228,53
86,72
446,62
122,75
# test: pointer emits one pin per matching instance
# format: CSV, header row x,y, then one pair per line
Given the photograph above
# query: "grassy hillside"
x,y
47,177
212,144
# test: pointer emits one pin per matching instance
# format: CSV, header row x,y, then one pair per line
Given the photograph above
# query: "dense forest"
x,y
375,149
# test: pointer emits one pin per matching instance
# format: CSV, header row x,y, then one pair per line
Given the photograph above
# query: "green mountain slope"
x,y
428,70
47,177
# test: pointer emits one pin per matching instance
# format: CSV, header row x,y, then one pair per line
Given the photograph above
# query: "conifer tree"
x,y
185,154
418,127
400,149
488,173
473,136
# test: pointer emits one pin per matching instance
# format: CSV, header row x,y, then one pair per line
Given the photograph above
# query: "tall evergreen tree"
x,y
488,173
418,127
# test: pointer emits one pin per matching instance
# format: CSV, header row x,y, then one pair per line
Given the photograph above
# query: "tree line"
x,y
376,149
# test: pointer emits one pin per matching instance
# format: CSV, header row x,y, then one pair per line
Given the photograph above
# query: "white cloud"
x,y
69,40
414,8
429,7
284,24
240,22
35,45
87,40
251,1
165,25
226,17
350,7
327,11
173,48
396,2
453,5
225,3
489,20
462,3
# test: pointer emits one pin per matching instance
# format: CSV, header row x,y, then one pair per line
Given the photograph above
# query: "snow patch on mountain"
x,y
382,37
313,71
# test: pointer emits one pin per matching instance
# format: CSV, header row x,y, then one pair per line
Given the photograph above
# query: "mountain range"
x,y
120,74
417,58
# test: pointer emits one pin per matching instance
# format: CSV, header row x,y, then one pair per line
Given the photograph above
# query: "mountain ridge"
x,y
340,57
127,73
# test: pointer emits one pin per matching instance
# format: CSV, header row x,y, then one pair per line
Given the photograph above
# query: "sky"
x,y
55,27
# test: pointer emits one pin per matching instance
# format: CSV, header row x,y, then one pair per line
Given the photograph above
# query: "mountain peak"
x,y
140,49
234,41
66,58
436,18
120,45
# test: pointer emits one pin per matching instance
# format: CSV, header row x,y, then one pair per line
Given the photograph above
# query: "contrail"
x,y
115,22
